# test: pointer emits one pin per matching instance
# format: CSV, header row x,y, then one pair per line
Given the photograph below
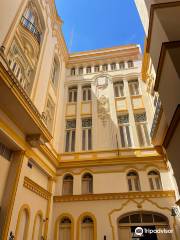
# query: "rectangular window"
x,y
86,93
49,113
113,66
105,67
130,64
119,89
88,69
96,68
124,129
134,87
70,135
142,129
73,71
81,71
72,94
121,65
86,134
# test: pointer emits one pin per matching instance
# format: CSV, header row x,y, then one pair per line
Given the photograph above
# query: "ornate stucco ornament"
x,y
103,109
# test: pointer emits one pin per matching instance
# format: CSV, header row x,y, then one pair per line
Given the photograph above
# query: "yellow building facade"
x,y
76,157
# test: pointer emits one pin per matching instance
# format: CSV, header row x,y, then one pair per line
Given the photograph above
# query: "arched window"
x,y
87,228
67,185
154,180
38,224
87,183
22,225
65,229
133,181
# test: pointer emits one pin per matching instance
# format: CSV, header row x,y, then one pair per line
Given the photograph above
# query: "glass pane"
x,y
75,96
151,183
124,220
89,94
140,135
128,136
89,139
158,218
147,218
136,184
84,95
67,141
146,134
73,141
135,218
116,91
84,140
158,184
130,184
122,137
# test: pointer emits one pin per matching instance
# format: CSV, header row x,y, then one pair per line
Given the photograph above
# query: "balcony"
x,y
16,103
156,119
31,28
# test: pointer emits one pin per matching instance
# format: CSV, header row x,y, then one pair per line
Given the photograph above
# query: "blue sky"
x,y
93,24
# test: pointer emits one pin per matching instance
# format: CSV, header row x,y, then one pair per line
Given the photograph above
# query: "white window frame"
x,y
68,145
120,89
123,129
155,181
113,66
86,145
74,92
87,91
122,65
134,88
143,135
88,70
73,71
134,181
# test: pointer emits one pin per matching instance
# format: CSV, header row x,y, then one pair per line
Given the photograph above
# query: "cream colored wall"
x,y
115,182
26,197
108,211
4,166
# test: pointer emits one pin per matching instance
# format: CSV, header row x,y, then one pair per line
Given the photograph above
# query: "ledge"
x,y
19,107
114,196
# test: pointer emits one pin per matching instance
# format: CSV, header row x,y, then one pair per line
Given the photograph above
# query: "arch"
x,y
56,230
67,186
26,209
81,217
133,180
148,216
87,183
38,214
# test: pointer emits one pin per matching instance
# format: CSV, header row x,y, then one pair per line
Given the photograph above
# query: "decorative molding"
x,y
114,196
34,187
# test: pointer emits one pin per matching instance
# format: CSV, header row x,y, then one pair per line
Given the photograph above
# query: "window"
x,y
134,87
124,129
133,181
119,89
30,21
65,229
86,134
54,73
70,135
86,93
87,183
154,180
96,68
73,71
113,66
105,67
130,64
67,185
142,129
81,71
72,94
87,228
121,65
88,69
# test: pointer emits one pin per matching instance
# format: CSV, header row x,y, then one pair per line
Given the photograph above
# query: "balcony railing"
x,y
156,119
32,28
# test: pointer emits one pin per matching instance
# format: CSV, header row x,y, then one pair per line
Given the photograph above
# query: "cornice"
x,y
34,187
114,196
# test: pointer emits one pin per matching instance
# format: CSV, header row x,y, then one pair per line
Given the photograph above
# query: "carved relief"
x,y
103,108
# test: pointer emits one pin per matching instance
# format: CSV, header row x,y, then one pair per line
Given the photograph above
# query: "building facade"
x,y
161,72
76,156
